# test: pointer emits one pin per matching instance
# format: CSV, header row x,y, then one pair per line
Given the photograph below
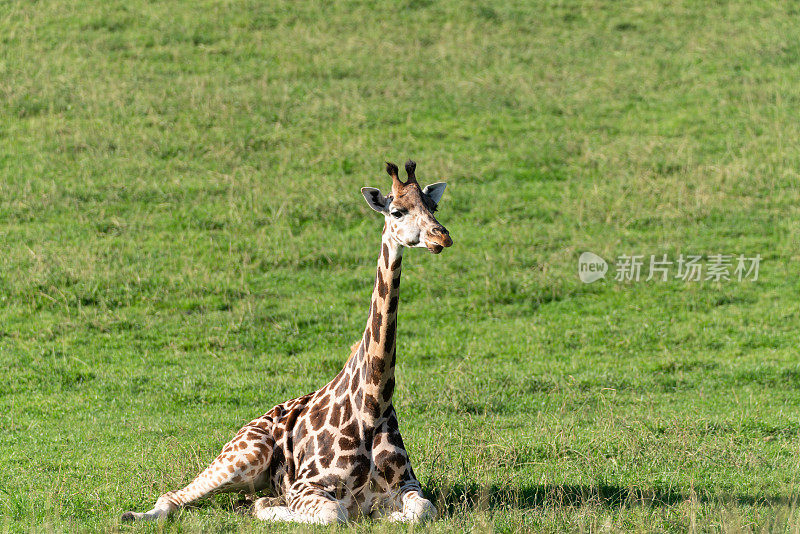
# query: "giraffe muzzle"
x,y
438,240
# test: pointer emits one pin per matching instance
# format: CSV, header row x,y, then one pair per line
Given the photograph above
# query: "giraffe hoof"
x,y
127,517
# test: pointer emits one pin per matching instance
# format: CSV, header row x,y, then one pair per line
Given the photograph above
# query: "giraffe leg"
x,y
413,507
242,465
309,505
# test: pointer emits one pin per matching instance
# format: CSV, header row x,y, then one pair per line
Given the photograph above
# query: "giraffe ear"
x,y
375,200
435,191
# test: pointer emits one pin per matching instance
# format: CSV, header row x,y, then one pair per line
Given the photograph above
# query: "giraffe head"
x,y
409,209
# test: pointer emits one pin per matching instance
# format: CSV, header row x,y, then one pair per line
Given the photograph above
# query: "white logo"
x,y
591,267
717,268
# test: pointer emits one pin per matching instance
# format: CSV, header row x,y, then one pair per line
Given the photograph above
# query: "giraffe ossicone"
x,y
336,453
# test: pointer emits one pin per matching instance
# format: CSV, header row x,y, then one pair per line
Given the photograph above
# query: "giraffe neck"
x,y
372,365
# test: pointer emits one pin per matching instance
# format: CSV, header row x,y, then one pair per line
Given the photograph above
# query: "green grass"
x,y
184,245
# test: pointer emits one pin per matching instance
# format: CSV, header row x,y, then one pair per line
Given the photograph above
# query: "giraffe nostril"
x,y
440,237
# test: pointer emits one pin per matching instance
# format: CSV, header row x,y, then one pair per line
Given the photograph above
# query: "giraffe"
x,y
337,454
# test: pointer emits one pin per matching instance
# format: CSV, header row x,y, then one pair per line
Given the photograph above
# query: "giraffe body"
x,y
337,453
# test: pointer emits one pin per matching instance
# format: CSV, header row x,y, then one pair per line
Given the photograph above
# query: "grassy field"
x,y
184,245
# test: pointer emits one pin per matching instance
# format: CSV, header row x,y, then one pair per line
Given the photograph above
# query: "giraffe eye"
x,y
397,214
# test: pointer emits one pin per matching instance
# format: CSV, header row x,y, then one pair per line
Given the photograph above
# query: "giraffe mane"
x,y
353,350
